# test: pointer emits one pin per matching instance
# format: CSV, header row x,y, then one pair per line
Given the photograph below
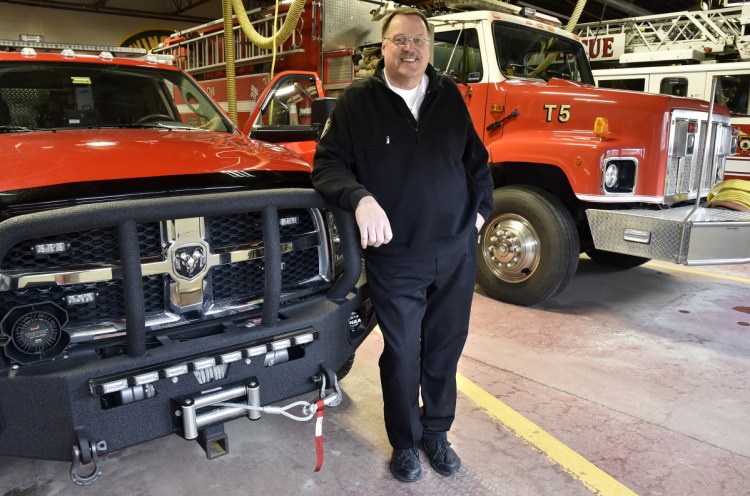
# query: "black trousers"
x,y
423,310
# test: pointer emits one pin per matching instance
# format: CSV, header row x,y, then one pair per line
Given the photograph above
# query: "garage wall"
x,y
75,27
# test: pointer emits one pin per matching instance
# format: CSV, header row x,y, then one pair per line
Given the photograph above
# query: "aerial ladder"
x,y
200,49
678,36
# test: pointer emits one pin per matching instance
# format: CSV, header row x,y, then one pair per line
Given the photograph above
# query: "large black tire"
x,y
528,249
616,260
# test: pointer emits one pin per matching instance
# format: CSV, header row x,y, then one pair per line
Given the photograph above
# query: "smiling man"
x,y
400,151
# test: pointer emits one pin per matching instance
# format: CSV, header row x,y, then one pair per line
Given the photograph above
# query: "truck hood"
x,y
611,100
46,158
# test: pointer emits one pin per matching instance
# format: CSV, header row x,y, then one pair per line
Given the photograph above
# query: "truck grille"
x,y
83,271
83,247
687,153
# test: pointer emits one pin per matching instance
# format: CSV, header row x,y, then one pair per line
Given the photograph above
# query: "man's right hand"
x,y
374,227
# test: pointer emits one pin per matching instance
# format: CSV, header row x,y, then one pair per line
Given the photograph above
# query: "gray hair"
x,y
403,11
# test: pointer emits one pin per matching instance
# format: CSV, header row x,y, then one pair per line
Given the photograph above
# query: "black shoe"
x,y
405,465
443,459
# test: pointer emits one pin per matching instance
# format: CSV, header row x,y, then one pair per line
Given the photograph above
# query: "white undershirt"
x,y
413,97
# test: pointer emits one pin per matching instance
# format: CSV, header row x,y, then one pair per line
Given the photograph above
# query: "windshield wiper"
x,y
150,125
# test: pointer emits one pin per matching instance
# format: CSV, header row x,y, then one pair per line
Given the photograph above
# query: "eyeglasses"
x,y
401,40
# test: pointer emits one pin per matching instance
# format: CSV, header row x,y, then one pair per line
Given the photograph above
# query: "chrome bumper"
x,y
709,236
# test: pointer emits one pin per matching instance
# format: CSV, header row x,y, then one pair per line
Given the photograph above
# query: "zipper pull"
x,y
387,140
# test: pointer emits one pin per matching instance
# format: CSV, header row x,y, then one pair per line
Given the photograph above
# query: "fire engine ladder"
x,y
201,49
678,35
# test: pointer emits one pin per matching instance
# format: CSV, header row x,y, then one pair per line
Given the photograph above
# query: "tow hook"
x,y
85,453
332,399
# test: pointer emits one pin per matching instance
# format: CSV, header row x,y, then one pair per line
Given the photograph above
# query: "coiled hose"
x,y
572,22
229,56
278,37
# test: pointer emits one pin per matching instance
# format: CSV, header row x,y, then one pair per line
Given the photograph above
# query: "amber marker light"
x,y
601,127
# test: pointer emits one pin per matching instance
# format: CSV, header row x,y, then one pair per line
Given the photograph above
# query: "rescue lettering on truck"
x,y
620,176
160,271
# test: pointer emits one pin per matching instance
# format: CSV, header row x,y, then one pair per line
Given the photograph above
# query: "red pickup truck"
x,y
154,262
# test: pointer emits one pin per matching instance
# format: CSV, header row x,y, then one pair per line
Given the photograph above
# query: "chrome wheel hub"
x,y
510,248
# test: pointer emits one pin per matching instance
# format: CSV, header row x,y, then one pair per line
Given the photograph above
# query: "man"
x,y
401,151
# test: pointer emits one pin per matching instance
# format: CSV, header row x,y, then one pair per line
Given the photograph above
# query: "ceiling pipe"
x,y
626,7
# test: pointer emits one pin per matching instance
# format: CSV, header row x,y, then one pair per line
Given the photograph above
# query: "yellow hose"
x,y
731,193
229,56
275,23
569,27
290,23
576,15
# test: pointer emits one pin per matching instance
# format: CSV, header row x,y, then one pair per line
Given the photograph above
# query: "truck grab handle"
x,y
499,123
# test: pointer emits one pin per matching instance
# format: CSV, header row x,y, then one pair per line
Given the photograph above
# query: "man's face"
x,y
405,65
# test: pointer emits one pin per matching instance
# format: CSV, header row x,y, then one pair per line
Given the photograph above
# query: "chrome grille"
x,y
233,280
242,280
83,247
227,231
109,306
683,169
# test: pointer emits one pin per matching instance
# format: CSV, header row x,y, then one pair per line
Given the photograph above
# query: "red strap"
x,y
319,434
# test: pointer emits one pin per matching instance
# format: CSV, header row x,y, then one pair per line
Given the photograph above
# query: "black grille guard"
x,y
126,214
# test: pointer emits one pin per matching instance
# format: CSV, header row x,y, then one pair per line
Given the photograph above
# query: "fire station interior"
x,y
629,381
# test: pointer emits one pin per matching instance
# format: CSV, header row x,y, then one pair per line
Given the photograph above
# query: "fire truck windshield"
x,y
532,53
57,95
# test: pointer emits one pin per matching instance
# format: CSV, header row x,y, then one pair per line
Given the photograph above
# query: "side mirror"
x,y
321,109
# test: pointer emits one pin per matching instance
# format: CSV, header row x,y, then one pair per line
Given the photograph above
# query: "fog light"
x,y
50,248
146,378
174,371
80,299
231,357
256,350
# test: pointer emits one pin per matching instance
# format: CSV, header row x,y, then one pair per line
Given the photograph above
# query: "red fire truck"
x,y
617,175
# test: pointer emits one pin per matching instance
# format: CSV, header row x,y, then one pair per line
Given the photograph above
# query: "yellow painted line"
x,y
596,480
689,270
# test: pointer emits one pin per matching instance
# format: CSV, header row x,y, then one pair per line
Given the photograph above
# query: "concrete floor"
x,y
632,382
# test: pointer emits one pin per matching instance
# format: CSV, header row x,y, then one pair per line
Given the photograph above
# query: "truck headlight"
x,y
610,175
335,239
619,175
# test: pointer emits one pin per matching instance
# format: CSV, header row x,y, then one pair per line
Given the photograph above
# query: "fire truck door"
x,y
283,113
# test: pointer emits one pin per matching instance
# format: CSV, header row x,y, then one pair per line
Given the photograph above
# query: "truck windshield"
x,y
48,95
533,53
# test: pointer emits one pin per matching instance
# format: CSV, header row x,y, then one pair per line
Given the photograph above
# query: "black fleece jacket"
x,y
430,177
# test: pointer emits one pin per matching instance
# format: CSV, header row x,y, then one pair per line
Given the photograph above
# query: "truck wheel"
x,y
617,260
528,249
